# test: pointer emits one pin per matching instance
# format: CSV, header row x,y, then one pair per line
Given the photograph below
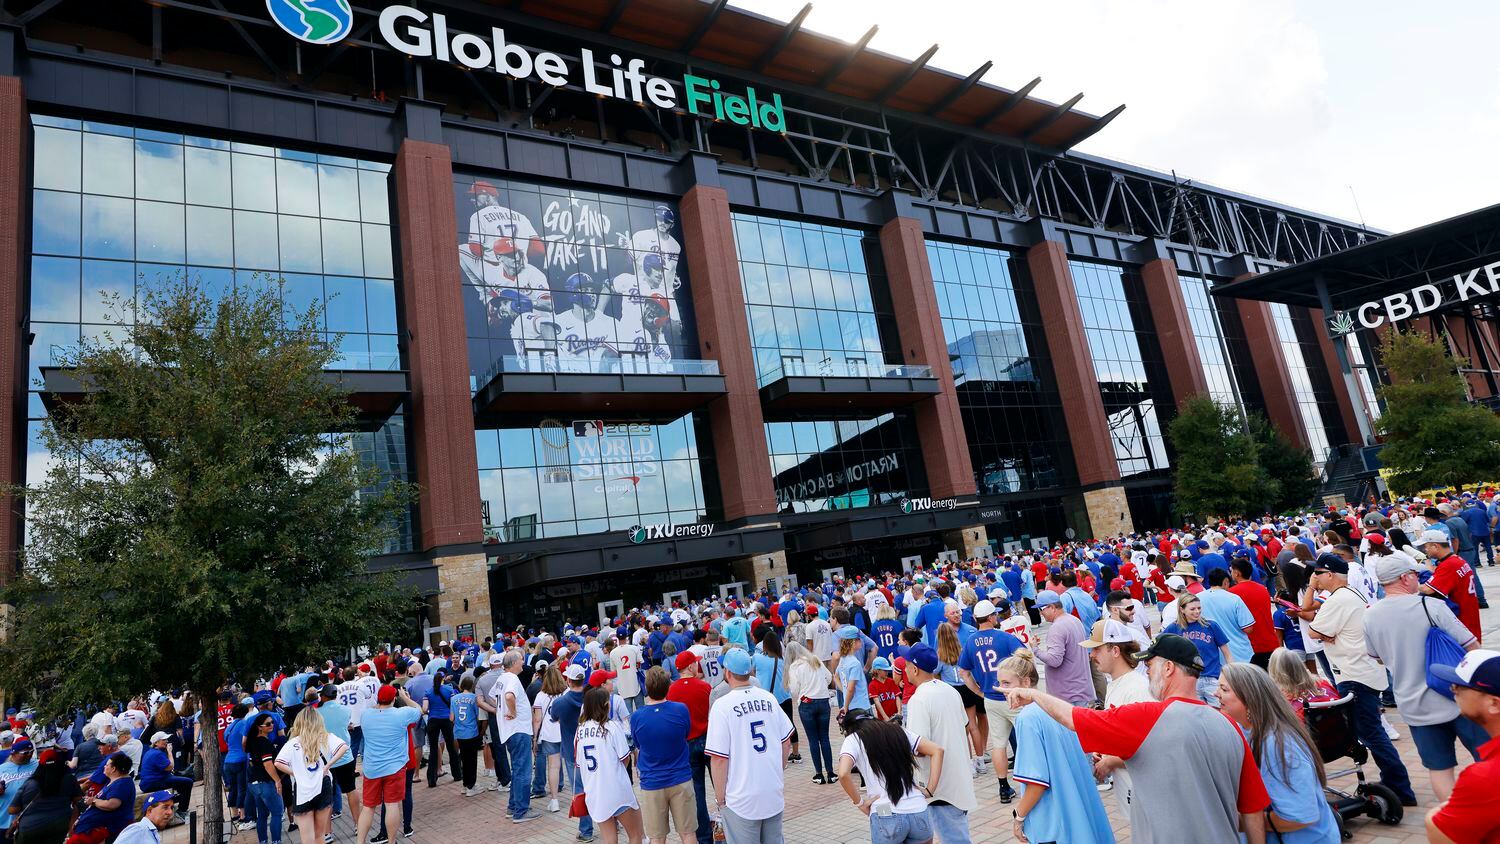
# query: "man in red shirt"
x,y
1263,638
692,691
1452,578
1469,813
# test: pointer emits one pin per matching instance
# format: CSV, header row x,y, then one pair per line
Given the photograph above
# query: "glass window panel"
x,y
159,232
108,227
343,253
338,192
298,293
254,232
346,303
374,197
254,182
770,242
384,352
296,188
56,225
108,165
49,340
210,236
54,289
378,262
103,282
58,159
757,291
380,305
158,171
208,178
301,244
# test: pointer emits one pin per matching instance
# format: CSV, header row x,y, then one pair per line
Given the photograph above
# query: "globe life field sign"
x,y
421,35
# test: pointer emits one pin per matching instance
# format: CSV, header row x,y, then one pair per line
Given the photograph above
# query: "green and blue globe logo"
x,y
313,21
637,534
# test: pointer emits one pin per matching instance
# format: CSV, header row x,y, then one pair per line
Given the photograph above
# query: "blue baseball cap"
x,y
923,657
881,664
848,631
1479,670
158,797
1047,599
737,661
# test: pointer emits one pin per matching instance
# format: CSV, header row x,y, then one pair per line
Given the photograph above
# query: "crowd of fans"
x,y
1174,672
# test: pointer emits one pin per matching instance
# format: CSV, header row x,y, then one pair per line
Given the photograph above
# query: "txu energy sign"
x,y
418,34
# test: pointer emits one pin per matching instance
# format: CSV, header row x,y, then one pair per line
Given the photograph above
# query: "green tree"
x,y
198,522
1286,464
1217,469
1434,437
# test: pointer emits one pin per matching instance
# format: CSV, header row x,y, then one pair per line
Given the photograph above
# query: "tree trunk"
x,y
213,782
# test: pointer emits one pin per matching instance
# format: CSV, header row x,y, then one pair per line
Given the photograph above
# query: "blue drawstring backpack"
x,y
1442,649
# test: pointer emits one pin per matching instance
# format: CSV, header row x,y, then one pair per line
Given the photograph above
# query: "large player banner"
x,y
560,280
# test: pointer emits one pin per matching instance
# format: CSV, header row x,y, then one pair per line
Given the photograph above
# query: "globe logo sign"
x,y
906,505
313,21
637,534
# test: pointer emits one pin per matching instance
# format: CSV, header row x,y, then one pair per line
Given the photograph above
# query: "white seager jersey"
x,y
600,752
746,726
652,242
627,662
708,657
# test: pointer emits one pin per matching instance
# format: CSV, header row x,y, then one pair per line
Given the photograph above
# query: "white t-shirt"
x,y
1310,645
746,726
936,713
308,779
1016,626
1129,688
511,684
910,803
708,657
1342,616
600,752
821,636
551,727
627,662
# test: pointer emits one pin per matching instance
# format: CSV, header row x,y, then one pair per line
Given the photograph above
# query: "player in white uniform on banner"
x,y
659,241
585,337
492,220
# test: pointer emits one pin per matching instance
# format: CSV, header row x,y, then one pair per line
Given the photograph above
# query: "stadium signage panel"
x,y
923,505
668,530
1475,283
420,35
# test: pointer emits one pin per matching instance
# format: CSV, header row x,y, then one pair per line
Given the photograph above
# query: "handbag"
x,y
1442,649
578,808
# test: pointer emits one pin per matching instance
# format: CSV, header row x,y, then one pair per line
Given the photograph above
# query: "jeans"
x,y
815,718
518,747
237,776
441,730
405,805
698,761
497,751
268,819
573,779
356,741
949,822
901,829
539,767
1208,688
468,749
1372,735
737,830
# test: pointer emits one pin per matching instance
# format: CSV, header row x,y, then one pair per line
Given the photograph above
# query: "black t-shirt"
x,y
258,751
39,811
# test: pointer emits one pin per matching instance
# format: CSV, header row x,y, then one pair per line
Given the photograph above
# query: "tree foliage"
x,y
1224,470
1288,465
1434,437
198,518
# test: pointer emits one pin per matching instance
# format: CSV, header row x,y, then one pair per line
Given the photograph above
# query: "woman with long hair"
x,y
809,683
47,804
1208,637
264,790
770,674
1284,751
548,731
1059,797
1291,673
886,757
601,750
307,757
852,682
949,651
796,629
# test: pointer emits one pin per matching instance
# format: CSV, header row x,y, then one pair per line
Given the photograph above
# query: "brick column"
x,y
15,205
1336,376
442,411
1078,387
940,427
1179,349
1270,368
735,419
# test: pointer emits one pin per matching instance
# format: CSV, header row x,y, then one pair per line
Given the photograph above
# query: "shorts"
x,y
546,748
970,699
390,788
676,801
344,776
323,800
1435,742
1002,722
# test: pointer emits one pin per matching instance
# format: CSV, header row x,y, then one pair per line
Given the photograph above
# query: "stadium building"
x,y
651,295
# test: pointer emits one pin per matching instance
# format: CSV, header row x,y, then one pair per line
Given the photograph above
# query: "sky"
x,y
1382,111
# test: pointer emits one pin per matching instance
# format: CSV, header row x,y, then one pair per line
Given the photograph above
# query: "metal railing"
x,y
830,368
625,364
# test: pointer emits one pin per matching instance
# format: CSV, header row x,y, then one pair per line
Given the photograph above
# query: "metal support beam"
x,y
37,11
1056,115
703,26
960,89
848,58
254,46
787,33
1092,130
912,69
1005,108
614,15
1341,351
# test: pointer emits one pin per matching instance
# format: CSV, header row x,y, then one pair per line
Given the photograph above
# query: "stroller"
x,y
1331,724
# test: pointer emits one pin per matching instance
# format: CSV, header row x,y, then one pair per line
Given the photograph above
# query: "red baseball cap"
x,y
599,678
387,694
685,659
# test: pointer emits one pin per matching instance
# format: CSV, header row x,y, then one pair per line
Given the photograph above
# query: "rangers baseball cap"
x,y
156,798
1479,670
387,694
881,664
984,609
1047,599
737,662
1432,537
685,659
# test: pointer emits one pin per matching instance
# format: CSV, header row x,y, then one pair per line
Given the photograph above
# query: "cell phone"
x,y
1288,604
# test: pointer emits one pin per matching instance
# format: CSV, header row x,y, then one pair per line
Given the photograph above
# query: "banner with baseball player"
x,y
561,280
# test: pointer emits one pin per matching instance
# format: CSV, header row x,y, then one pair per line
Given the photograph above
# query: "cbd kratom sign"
x,y
422,35
1475,283
923,505
667,530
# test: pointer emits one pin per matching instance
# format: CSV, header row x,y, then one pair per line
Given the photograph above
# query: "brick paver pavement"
x,y
822,814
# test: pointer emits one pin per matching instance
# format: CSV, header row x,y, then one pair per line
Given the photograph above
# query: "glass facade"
x,y
569,477
1363,376
1009,403
815,297
1206,324
1301,377
820,465
117,211
1126,358
561,280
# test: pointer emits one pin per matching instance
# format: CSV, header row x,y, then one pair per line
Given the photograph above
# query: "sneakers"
x,y
795,757
500,786
489,773
1007,793
243,826
328,839
582,836
552,805
408,833
531,815
475,791
819,779
380,837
